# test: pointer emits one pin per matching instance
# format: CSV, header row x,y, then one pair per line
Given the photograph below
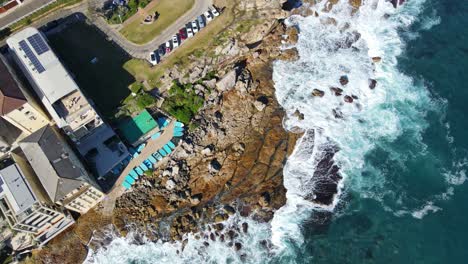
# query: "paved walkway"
x,y
151,147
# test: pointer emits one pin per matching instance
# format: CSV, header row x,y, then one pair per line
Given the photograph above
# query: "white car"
x,y
189,32
175,41
214,12
208,16
194,27
153,58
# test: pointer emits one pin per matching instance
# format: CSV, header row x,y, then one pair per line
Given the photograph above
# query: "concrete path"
x,y
151,147
28,7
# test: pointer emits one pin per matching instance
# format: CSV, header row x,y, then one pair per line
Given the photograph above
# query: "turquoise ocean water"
x,y
403,145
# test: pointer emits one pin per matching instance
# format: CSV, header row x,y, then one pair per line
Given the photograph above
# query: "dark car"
x,y
162,50
183,34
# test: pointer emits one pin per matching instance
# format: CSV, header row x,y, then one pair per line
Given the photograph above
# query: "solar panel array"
x,y
38,44
31,56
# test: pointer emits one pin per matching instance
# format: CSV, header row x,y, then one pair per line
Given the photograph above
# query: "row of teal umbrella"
x,y
151,161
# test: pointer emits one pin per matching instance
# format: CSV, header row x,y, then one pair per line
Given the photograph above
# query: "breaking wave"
x,y
356,47
332,45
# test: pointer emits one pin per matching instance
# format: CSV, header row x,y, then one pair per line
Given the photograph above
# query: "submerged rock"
x,y
344,80
348,99
318,93
376,59
299,115
337,91
372,83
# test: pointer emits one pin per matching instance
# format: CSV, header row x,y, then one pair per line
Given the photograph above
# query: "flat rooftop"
x,y
15,187
103,149
134,128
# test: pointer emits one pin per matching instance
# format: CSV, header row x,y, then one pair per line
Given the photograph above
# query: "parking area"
x,y
186,32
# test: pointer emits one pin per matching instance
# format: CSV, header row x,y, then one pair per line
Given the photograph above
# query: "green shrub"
x,y
182,102
144,100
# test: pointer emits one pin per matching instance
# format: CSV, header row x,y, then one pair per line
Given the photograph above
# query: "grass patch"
x,y
169,10
182,102
105,81
204,41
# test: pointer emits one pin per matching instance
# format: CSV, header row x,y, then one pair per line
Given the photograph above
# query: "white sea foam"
x,y
379,116
397,105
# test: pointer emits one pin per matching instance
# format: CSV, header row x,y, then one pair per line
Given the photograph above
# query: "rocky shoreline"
x,y
232,161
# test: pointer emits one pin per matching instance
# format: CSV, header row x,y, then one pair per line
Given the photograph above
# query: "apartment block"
x,y
60,171
15,106
72,112
25,209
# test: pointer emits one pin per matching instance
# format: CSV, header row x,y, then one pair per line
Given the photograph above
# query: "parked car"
x,y
194,27
214,12
162,50
168,47
201,21
175,41
153,58
208,16
183,34
189,31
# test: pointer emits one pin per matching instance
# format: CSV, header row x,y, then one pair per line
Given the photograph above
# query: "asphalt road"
x,y
142,51
26,8
135,50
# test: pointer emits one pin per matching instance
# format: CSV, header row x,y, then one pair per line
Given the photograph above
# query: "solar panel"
x,y
31,56
38,44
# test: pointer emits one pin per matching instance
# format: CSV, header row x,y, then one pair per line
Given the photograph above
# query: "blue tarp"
x,y
178,134
162,152
133,174
141,147
167,149
148,163
157,156
144,167
139,171
156,135
126,185
178,129
152,159
171,145
179,124
129,179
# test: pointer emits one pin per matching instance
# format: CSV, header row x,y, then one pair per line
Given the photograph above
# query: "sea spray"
x,y
397,105
332,46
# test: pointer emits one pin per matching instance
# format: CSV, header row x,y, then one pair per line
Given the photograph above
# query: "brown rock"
x,y
348,99
264,200
317,92
344,80
337,91
245,227
229,210
237,246
376,59
299,115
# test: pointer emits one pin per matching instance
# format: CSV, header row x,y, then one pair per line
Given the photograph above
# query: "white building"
x,y
66,104
25,209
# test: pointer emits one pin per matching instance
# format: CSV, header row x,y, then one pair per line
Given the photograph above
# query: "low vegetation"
x,y
119,13
183,103
169,11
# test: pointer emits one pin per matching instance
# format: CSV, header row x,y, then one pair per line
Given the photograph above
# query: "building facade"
x,y
25,211
60,171
96,142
